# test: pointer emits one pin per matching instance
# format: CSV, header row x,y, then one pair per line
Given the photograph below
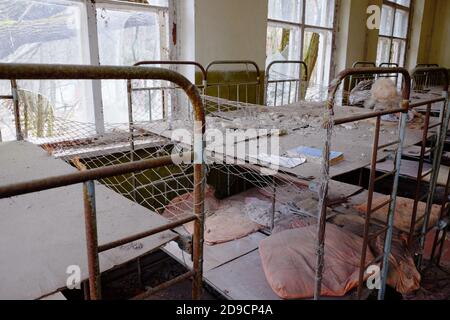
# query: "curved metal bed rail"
x,y
163,90
390,65
388,228
297,80
234,62
427,65
179,62
406,88
79,72
364,64
353,80
428,77
235,94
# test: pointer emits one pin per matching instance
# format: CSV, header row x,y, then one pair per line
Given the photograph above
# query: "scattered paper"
x,y
279,161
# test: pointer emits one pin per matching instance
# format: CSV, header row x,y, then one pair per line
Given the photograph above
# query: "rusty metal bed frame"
x,y
388,225
425,78
298,81
18,71
163,89
353,80
437,150
49,72
390,65
14,97
231,90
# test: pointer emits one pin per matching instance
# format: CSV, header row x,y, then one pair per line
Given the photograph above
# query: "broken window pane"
x,y
127,37
317,55
283,43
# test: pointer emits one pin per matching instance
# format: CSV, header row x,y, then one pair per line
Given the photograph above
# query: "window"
x,y
57,32
126,36
301,30
47,32
393,35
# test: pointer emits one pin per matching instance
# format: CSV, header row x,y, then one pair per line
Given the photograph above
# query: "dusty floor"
x,y
435,285
155,268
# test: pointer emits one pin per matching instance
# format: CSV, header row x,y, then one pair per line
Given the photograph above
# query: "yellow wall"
x,y
440,43
429,34
231,30
354,42
236,29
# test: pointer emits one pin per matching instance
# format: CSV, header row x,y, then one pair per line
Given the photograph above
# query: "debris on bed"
x,y
245,213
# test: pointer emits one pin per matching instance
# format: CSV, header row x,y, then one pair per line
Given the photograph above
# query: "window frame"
x,y
304,27
391,38
94,52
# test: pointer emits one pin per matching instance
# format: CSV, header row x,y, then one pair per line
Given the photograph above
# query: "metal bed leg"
x,y
322,219
199,229
15,96
90,218
434,178
388,239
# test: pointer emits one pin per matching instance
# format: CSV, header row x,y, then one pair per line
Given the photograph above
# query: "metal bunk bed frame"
x,y
238,84
87,177
388,226
302,78
15,99
442,78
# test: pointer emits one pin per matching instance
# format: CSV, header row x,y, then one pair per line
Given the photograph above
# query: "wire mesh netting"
x,y
246,166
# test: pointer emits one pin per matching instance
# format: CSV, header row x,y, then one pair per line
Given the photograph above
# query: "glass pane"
x,y
285,10
126,37
401,24
46,32
319,13
161,3
317,55
405,3
387,21
282,43
398,52
383,51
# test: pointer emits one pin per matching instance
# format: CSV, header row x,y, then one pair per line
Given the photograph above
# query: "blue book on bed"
x,y
314,154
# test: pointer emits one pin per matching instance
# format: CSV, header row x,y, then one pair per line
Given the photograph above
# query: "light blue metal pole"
x,y
435,174
388,240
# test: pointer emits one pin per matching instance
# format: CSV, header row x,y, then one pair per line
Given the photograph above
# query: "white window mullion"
x,y
302,29
94,59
